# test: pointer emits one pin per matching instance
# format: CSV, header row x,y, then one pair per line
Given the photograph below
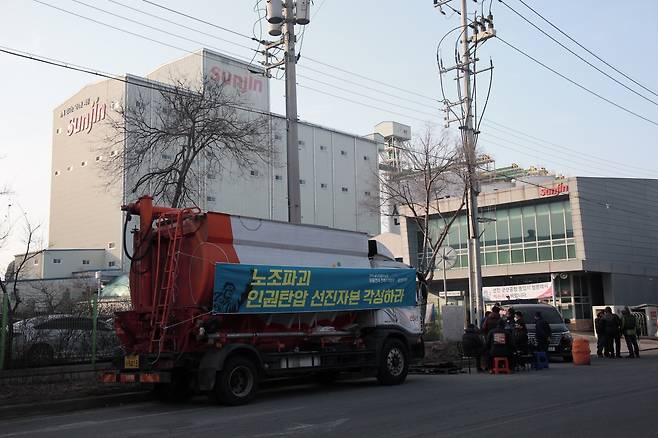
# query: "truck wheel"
x,y
394,363
237,383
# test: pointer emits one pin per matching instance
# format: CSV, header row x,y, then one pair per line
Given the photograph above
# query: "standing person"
x,y
472,345
599,326
519,339
492,321
542,333
520,333
486,315
612,333
509,319
629,330
499,343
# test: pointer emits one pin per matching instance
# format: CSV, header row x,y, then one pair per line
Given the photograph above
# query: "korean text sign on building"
x,y
518,292
241,288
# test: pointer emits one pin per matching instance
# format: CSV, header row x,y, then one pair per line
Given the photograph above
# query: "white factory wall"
x,y
335,176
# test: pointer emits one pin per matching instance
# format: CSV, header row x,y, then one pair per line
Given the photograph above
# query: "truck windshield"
x,y
550,314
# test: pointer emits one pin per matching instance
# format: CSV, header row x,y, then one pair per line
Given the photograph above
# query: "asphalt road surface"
x,y
610,398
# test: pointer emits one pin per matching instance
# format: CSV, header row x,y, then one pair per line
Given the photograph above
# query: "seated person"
x,y
499,343
472,345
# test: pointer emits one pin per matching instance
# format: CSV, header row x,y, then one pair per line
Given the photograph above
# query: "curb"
x,y
74,404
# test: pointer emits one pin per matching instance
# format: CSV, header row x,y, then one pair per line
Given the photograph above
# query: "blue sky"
x,y
390,41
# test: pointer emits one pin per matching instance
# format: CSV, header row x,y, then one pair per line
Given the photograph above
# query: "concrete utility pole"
x,y
468,135
294,201
483,29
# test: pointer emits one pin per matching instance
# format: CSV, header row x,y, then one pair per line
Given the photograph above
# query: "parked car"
x,y
560,343
44,340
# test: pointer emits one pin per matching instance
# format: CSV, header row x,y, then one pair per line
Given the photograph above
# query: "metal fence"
x,y
83,333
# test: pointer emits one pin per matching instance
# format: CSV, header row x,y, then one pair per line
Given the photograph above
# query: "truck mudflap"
x,y
135,377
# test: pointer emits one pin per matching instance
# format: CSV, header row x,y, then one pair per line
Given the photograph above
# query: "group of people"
x,y
504,337
609,330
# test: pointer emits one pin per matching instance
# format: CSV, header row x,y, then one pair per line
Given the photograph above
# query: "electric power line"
x,y
588,50
163,88
582,87
200,20
578,56
157,28
141,11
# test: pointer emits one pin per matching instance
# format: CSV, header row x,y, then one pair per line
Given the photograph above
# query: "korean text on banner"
x,y
241,288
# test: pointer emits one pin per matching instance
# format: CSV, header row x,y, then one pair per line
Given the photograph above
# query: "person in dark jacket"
x,y
542,333
472,345
520,334
599,326
492,321
629,330
612,333
499,343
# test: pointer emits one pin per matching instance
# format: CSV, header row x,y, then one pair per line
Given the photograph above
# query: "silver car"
x,y
44,340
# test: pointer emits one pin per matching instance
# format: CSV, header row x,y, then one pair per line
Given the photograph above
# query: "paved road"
x,y
612,397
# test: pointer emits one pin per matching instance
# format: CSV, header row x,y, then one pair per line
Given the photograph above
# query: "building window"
x,y
211,176
323,185
85,262
302,181
99,157
278,177
365,158
70,168
344,189
254,173
343,152
366,193
277,136
111,245
113,153
301,142
57,261
210,198
57,173
323,148
83,164
59,130
36,261
112,264
515,235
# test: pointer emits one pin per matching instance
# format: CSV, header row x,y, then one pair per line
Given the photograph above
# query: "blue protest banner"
x,y
241,288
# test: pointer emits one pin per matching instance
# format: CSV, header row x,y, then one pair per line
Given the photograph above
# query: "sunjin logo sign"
x,y
554,191
85,122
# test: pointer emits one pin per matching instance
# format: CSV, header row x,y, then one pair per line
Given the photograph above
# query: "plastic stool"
x,y
500,365
541,360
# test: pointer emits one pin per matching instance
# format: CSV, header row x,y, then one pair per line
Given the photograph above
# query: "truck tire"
x,y
394,363
237,383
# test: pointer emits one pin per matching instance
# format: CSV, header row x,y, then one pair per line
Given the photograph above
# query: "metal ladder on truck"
x,y
163,294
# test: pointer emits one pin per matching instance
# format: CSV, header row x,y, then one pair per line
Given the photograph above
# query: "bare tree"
x,y
175,136
429,170
10,284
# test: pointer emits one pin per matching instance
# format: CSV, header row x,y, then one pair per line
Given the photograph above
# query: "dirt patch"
x,y
441,352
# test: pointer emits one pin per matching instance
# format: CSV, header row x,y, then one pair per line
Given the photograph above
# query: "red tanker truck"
x,y
222,302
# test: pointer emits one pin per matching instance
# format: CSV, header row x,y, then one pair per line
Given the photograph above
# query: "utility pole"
x,y
474,260
294,201
282,17
482,30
